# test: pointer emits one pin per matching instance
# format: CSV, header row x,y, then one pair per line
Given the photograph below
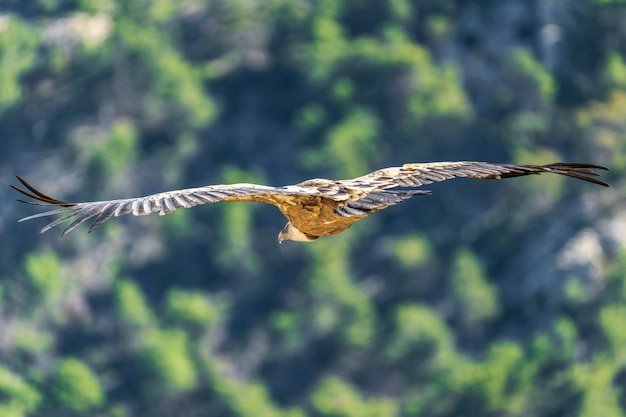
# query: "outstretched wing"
x,y
162,203
415,175
389,186
347,198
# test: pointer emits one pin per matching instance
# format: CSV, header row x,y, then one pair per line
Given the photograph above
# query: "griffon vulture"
x,y
314,208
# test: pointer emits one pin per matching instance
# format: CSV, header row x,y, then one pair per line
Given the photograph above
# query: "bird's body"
x,y
314,208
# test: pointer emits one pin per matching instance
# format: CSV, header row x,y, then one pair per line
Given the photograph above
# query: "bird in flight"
x,y
314,208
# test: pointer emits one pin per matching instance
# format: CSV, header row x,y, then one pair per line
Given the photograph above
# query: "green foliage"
x,y
44,272
17,397
434,91
18,47
341,302
616,276
497,379
176,156
418,329
166,353
330,46
349,144
401,8
452,101
310,117
343,90
336,398
119,149
191,307
615,70
32,340
600,396
131,304
438,25
97,6
477,298
608,2
606,126
576,292
48,5
162,10
249,399
288,325
176,80
526,66
412,251
567,333
611,320
75,386
178,223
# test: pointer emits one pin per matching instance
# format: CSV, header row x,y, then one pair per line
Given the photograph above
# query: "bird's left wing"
x,y
418,174
162,203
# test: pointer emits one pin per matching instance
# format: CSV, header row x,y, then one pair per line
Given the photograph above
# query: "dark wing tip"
x,y
580,165
581,171
36,195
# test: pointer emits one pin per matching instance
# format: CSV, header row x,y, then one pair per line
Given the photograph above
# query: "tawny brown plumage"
x,y
314,208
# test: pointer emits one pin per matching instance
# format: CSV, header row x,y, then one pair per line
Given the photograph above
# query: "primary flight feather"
x,y
314,208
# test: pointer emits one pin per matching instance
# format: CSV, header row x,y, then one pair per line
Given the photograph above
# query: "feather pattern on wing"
x,y
416,175
162,203
316,207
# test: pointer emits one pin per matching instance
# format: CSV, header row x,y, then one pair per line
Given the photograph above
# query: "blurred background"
x,y
487,298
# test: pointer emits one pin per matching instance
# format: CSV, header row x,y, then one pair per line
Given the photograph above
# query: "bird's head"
x,y
289,232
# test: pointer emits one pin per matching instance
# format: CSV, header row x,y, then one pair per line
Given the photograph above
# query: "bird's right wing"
x,y
418,174
162,203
